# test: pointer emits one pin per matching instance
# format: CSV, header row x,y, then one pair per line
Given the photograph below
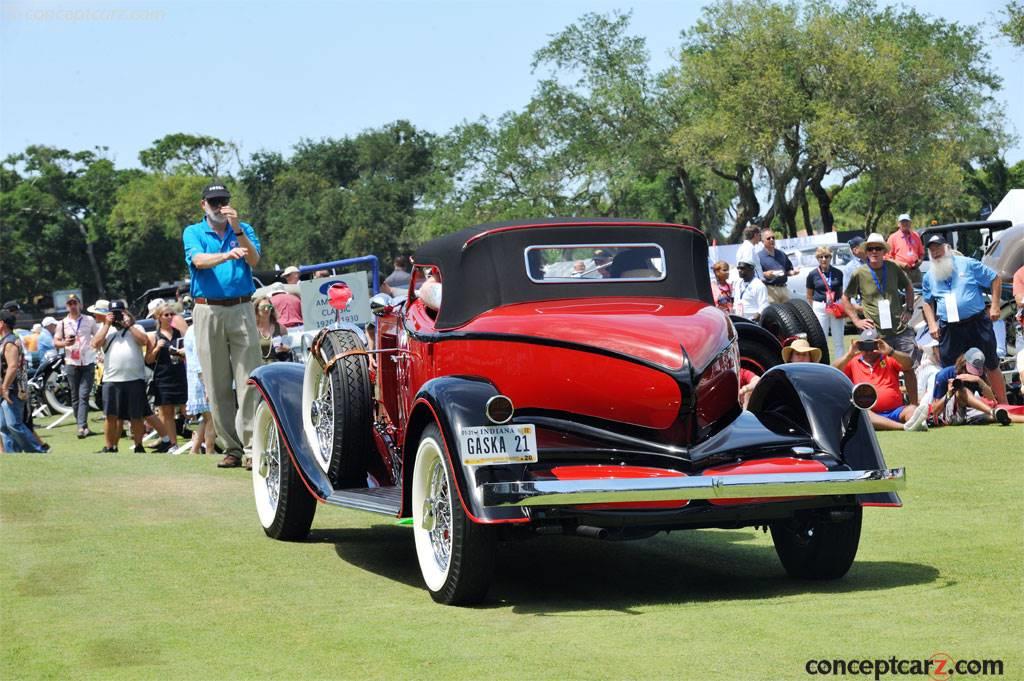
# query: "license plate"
x,y
488,445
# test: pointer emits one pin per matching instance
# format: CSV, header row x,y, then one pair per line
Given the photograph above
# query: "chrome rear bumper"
x,y
613,490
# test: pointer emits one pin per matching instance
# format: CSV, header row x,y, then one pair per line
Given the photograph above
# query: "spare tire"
x,y
757,355
782,322
337,410
812,327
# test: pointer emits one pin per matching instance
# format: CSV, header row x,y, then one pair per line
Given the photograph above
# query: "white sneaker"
x,y
918,420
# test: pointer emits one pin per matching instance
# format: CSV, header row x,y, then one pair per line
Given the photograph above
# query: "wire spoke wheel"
x,y
455,554
337,412
322,416
285,508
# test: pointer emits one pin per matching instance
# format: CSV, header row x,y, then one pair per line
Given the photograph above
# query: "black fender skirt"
x,y
815,398
280,385
455,402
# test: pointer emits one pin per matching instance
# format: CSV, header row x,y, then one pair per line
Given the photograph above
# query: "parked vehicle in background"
x,y
534,398
804,258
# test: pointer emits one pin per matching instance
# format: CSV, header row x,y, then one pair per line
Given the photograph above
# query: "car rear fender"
x,y
280,385
453,402
816,398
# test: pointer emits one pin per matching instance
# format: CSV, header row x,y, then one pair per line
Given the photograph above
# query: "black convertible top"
x,y
484,267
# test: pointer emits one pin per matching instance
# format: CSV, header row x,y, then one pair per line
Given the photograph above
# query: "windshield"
x,y
593,263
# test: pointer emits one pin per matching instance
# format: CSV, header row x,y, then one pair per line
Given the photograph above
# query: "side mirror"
x,y
381,304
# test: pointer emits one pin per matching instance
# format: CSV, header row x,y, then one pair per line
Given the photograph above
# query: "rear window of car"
x,y
594,263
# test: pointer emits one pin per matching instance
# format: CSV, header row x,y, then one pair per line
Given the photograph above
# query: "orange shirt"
x,y
906,249
884,375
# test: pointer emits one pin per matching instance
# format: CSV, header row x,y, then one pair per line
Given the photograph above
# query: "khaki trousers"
x,y
777,294
228,346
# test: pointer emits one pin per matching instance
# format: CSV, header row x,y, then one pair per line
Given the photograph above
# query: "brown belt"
x,y
226,302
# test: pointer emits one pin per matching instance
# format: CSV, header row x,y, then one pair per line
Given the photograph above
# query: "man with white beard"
x,y
954,296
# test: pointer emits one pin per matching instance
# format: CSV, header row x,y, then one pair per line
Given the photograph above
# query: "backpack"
x,y
21,377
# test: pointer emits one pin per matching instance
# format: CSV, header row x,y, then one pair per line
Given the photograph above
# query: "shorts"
x,y
973,332
126,400
905,342
892,414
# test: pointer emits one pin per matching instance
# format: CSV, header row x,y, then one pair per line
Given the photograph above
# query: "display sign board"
x,y
60,298
316,310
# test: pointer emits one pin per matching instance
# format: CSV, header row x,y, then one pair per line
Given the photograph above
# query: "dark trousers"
x,y
80,379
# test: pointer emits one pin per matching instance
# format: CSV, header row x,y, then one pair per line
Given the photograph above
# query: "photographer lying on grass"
x,y
963,397
872,360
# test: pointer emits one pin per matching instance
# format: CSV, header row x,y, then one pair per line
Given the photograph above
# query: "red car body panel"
x,y
651,329
654,331
563,379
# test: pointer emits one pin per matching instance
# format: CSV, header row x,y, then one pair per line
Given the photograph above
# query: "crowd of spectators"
x,y
200,371
946,373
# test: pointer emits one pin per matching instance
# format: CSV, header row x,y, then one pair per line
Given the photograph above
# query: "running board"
x,y
384,500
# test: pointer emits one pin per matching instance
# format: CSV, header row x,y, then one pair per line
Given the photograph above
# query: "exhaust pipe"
x,y
591,532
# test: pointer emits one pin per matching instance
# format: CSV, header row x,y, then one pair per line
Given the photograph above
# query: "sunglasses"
x,y
72,302
874,249
769,238
824,257
167,314
218,202
265,308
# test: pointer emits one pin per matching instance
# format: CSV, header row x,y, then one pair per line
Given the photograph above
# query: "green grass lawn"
x,y
153,566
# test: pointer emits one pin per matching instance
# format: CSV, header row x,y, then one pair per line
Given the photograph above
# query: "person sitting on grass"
x,y
872,360
797,351
963,397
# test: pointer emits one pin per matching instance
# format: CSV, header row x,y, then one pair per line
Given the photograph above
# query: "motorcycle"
x,y
49,385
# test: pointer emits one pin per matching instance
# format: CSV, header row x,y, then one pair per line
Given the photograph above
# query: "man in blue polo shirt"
x,y
220,252
954,296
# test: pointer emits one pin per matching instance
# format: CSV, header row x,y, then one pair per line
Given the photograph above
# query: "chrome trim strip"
x,y
612,490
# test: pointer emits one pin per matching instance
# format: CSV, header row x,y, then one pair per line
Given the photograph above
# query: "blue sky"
x,y
82,74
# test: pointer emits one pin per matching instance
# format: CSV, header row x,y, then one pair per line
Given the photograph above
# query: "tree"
x,y
145,229
190,155
54,205
338,198
591,141
1013,27
784,98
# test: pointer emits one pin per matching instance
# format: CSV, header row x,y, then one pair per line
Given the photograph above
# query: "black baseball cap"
x,y
118,305
12,305
937,239
9,319
855,241
216,191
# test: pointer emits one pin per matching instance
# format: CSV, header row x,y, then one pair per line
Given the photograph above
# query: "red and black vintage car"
x,y
575,376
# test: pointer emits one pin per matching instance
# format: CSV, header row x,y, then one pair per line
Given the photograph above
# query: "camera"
x,y
867,346
957,384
